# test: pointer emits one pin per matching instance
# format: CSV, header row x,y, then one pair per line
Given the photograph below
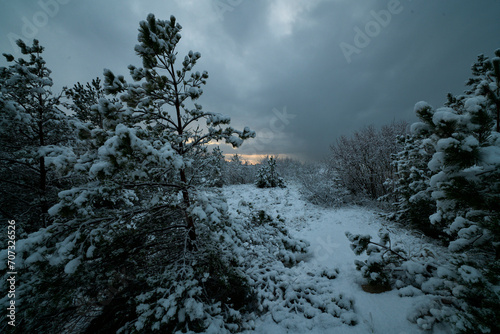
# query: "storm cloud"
x,y
300,73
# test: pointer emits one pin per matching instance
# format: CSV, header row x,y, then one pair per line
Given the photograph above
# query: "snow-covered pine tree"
x,y
467,191
465,186
208,168
159,100
149,143
267,175
486,81
83,98
215,165
129,216
232,171
414,204
34,139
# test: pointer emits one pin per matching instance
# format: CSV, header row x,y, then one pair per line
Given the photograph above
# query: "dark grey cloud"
x,y
278,65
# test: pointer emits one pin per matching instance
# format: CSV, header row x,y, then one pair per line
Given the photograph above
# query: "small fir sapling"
x,y
382,260
268,176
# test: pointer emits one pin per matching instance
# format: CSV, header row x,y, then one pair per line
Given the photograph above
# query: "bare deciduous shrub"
x,y
321,186
363,161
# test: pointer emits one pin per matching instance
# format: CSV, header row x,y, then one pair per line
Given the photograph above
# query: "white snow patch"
x,y
72,265
329,251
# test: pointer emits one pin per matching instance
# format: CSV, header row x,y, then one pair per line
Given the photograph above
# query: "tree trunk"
x,y
187,203
43,190
43,174
182,172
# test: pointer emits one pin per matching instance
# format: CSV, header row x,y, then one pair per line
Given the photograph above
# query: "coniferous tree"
x,y
160,85
486,82
321,185
413,201
139,192
84,98
35,135
207,167
151,140
215,164
463,180
268,176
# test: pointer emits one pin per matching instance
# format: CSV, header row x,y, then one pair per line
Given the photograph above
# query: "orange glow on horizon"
x,y
252,159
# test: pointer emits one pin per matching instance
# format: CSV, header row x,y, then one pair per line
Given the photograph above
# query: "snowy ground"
x,y
324,229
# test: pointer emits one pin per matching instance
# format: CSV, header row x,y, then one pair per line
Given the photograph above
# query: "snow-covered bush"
x,y
207,168
236,171
272,259
384,261
419,273
267,175
321,186
448,287
261,217
289,168
208,294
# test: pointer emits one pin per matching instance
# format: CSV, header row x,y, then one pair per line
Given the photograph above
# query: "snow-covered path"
x,y
325,229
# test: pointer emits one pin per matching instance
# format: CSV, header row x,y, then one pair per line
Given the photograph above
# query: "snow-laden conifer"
x,y
156,132
460,144
35,142
128,219
268,176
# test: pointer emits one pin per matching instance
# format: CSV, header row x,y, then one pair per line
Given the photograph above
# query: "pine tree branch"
x,y
193,119
388,249
13,161
146,184
18,184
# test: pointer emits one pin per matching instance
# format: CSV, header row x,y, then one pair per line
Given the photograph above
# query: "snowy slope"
x,y
329,248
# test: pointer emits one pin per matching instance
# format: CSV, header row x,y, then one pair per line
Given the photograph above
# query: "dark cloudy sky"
x,y
299,72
